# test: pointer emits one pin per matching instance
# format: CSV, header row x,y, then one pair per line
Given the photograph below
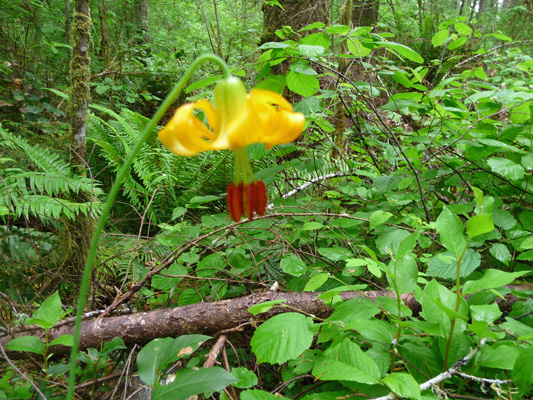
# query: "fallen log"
x,y
203,318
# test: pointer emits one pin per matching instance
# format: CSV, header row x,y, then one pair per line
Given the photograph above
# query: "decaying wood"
x,y
203,318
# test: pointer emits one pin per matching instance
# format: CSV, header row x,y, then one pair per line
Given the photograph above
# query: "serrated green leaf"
x,y
492,278
346,362
246,377
500,252
450,228
506,168
292,265
282,338
379,217
522,372
305,85
189,382
403,385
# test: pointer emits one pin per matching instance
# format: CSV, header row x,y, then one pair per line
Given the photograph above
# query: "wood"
x,y
202,318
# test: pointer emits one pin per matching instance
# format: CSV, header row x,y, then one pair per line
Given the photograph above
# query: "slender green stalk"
x,y
121,175
457,304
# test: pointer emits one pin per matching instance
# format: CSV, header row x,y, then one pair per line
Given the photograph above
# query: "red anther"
x,y
234,199
260,198
250,196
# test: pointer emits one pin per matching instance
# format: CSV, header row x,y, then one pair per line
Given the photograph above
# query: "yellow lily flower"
x,y
236,120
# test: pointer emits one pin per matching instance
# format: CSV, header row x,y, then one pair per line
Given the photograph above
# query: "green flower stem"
x,y
457,305
121,175
243,169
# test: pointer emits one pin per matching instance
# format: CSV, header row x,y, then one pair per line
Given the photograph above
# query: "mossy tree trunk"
x,y
295,13
77,234
365,12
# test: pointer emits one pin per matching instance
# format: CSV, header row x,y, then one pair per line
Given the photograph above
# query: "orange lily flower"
x,y
236,120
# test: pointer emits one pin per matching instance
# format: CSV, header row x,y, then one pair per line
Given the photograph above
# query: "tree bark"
x,y
295,13
365,12
203,318
76,236
104,33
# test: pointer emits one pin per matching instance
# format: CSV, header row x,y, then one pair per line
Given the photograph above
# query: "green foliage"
x,y
47,189
412,177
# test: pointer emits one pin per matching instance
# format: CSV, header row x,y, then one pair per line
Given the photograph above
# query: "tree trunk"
x,y
202,318
140,16
365,12
76,236
104,33
295,13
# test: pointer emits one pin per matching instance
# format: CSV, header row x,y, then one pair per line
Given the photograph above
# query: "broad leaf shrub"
x,y
429,195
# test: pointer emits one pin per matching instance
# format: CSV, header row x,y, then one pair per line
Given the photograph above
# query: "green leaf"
x,y
444,265
259,395
506,168
189,382
316,281
275,83
335,253
500,357
49,313
203,83
492,278
522,371
311,51
282,338
158,354
450,228
379,217
439,37
485,312
479,224
373,330
264,307
292,265
357,48
302,68
522,113
312,226
405,51
403,385
503,219
65,340
500,252
457,43
189,296
246,378
26,343
305,85
346,362
463,29
406,274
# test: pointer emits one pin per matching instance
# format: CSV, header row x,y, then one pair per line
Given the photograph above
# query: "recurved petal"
x,y
210,114
283,127
258,96
184,134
